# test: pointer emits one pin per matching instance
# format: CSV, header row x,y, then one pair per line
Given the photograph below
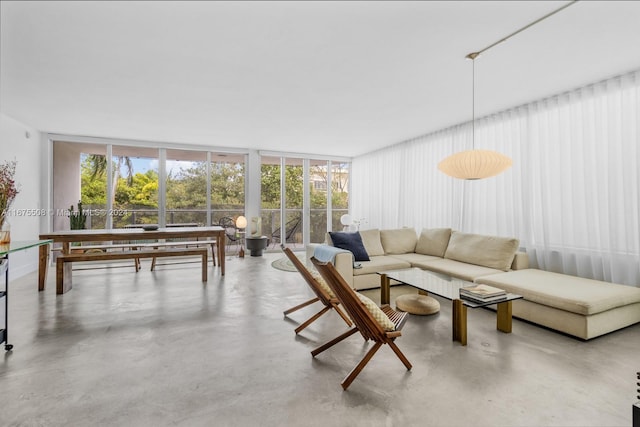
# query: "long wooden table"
x,y
125,234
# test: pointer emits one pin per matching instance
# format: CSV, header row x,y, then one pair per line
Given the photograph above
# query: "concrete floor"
x,y
162,349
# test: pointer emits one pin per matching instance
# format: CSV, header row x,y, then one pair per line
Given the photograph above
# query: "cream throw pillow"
x,y
433,241
487,251
399,241
371,241
377,313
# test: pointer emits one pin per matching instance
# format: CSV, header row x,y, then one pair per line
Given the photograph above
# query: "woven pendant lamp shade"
x,y
475,164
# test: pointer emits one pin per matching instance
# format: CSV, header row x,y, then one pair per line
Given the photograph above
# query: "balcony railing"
x,y
270,220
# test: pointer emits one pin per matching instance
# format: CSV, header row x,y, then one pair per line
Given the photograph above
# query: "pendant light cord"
x,y
473,103
472,56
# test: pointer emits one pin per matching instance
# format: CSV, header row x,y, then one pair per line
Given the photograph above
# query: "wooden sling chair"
x,y
323,293
364,314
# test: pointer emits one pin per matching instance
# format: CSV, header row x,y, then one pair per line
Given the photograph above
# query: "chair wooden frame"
x,y
364,322
321,295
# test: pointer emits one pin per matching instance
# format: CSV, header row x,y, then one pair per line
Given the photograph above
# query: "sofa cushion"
x,y
371,241
416,260
433,241
399,241
380,263
487,251
565,292
520,261
377,313
458,269
351,242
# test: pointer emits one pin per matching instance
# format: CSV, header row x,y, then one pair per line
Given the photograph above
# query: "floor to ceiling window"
x,y
294,219
127,185
135,183
318,187
227,186
282,200
186,187
340,193
145,185
290,210
270,195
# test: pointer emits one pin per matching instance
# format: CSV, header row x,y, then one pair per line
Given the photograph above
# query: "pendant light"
x,y
474,164
478,164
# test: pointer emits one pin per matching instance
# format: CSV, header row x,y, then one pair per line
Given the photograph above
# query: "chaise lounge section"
x,y
581,307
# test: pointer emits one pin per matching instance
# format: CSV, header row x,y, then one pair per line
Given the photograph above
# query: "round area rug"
x,y
283,264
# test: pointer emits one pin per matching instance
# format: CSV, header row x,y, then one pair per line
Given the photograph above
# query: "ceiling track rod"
x,y
474,55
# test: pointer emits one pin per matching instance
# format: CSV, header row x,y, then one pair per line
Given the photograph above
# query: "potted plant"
x,y
77,219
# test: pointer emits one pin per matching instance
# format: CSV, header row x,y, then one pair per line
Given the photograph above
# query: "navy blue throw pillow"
x,y
351,242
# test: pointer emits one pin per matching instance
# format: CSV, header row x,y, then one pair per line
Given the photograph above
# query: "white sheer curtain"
x,y
572,196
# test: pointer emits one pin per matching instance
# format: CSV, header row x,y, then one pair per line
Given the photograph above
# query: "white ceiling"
x,y
329,78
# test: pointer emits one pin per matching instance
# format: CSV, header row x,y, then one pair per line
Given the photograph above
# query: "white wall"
x,y
66,178
22,143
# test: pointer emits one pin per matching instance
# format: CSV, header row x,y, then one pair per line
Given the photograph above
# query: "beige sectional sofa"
x,y
580,307
463,255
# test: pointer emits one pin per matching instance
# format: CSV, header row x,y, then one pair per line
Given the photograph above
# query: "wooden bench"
x,y
174,244
88,249
136,246
64,261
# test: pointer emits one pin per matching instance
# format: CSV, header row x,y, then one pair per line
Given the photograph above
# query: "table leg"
x,y
459,321
43,266
63,272
385,290
221,255
204,267
504,317
63,277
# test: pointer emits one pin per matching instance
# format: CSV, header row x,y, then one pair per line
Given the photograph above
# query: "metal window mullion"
x,y
110,187
283,201
208,172
162,187
329,193
306,203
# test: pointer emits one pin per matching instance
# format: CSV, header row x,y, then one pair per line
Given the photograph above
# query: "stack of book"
x,y
483,293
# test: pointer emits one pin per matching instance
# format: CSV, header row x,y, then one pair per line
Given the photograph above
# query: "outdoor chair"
x,y
382,325
230,230
322,291
290,229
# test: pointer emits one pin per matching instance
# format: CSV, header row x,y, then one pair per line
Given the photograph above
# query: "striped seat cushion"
x,y
377,313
